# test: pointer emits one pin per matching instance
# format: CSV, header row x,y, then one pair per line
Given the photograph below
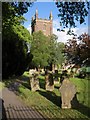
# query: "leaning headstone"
x,y
68,91
49,83
34,82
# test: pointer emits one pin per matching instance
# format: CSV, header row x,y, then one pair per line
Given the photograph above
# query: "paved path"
x,y
10,97
15,108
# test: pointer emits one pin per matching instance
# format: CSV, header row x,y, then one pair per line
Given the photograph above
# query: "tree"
x,y
15,51
60,53
39,49
72,51
84,47
16,55
70,12
12,12
78,52
52,49
46,51
56,51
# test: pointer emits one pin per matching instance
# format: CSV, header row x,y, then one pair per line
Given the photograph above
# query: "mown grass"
x,y
39,98
82,86
1,85
49,103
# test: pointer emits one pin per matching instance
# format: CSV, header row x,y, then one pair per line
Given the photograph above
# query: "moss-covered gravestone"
x,y
49,82
34,82
68,91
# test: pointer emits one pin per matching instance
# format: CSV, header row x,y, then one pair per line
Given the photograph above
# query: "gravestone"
x,y
63,76
68,91
32,71
56,77
49,83
34,82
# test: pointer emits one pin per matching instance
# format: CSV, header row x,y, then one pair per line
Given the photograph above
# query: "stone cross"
x,y
68,91
49,82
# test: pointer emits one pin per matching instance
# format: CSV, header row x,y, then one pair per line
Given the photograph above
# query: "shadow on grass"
x,y
52,97
42,83
13,84
24,78
57,87
25,81
26,85
80,107
8,82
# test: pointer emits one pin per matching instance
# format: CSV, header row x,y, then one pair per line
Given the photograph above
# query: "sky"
x,y
44,9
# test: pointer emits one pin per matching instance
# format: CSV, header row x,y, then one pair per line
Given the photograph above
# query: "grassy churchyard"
x,y
1,85
49,103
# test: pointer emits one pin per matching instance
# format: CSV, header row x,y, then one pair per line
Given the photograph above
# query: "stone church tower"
x,y
45,25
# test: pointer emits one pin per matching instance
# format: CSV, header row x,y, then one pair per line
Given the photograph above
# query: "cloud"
x,y
29,28
62,36
82,30
56,23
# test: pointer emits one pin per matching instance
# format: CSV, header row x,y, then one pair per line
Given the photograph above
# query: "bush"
x,y
82,73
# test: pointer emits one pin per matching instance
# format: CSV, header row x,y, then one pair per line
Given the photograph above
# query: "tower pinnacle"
x,y
51,17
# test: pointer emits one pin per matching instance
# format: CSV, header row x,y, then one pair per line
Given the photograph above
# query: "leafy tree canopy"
x,y
60,53
16,54
78,52
39,49
12,12
56,51
70,12
52,48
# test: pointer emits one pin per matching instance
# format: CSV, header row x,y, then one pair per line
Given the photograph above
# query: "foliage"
x,y
15,51
56,51
78,52
84,47
39,49
52,48
60,58
71,12
46,51
15,8
71,50
12,12
16,54
21,7
84,72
